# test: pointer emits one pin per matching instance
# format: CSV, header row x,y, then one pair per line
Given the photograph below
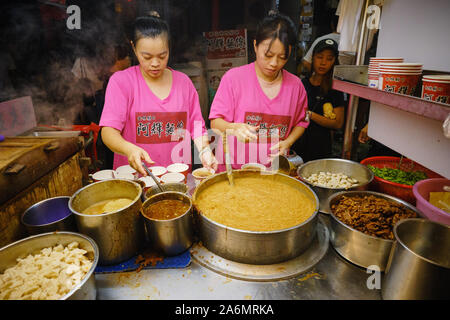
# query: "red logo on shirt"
x,y
269,125
160,127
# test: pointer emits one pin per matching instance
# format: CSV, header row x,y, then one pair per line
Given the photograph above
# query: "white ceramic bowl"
x,y
126,169
158,170
125,175
178,167
173,177
103,175
201,174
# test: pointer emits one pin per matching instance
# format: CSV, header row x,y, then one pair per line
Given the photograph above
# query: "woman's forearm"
x,y
295,134
220,125
201,142
115,142
329,123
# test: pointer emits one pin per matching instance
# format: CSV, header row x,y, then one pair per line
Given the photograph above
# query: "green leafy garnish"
x,y
399,176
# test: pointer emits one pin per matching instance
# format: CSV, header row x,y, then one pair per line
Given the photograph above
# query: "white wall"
x,y
418,31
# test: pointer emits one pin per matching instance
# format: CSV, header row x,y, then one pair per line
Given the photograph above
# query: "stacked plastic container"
x,y
436,88
399,77
374,64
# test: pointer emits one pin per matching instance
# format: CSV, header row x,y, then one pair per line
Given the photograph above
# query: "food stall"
x,y
348,237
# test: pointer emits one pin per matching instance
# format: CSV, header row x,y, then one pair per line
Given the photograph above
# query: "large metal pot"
x,y
419,263
252,247
119,234
359,248
86,289
352,169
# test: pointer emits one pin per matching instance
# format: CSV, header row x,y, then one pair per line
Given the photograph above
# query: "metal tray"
x,y
63,134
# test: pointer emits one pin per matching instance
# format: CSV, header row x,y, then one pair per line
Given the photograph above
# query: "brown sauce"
x,y
166,209
252,168
203,174
255,204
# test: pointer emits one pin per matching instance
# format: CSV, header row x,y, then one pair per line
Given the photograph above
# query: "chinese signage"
x,y
160,127
226,49
269,125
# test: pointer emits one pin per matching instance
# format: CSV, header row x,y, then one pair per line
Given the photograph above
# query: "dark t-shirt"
x,y
315,143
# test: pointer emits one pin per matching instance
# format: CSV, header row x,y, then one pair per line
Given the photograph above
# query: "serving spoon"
x,y
160,187
228,160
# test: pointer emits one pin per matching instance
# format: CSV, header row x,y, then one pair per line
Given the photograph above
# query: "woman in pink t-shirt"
x,y
152,111
261,106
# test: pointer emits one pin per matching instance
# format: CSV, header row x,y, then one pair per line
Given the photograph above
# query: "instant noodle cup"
x,y
398,81
374,65
436,88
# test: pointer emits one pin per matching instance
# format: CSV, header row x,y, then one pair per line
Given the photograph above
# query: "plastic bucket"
x,y
438,91
403,83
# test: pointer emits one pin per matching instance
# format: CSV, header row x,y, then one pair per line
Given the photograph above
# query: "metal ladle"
x,y
227,160
160,187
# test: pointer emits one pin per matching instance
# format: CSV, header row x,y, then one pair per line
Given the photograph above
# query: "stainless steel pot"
x,y
118,234
177,187
251,247
172,236
52,214
352,169
419,264
359,248
86,289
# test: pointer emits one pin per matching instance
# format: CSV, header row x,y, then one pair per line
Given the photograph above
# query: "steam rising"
x,y
41,56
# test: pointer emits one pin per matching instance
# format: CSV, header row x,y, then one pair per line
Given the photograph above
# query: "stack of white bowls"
x,y
436,88
374,64
399,77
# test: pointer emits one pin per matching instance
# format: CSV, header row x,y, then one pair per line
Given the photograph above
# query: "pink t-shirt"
x,y
161,127
241,99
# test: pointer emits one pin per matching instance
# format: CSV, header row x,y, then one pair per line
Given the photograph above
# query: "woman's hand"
x,y
244,132
363,137
281,148
135,157
208,159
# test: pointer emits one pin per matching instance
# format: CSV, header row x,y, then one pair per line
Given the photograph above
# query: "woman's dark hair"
x,y
150,27
277,26
327,79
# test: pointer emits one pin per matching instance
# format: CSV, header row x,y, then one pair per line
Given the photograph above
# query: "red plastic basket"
x,y
395,189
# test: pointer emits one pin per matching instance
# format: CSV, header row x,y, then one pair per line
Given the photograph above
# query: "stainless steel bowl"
x,y
359,248
119,234
252,247
86,289
173,236
352,169
419,264
177,187
52,214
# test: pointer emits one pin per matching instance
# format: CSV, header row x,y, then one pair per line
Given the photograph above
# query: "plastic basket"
x,y
395,189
